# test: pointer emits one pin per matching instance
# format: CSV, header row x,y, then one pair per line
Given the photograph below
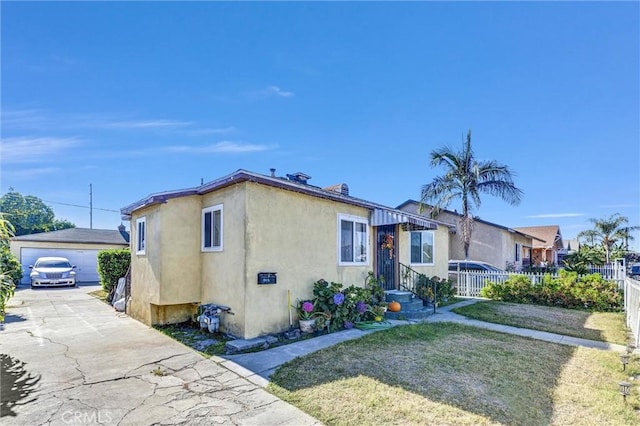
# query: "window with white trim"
x,y
212,228
518,252
422,247
141,235
353,240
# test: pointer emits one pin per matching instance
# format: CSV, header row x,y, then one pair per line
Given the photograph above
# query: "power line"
x,y
83,207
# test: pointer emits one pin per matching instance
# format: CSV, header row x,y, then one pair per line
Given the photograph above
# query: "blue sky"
x,y
141,97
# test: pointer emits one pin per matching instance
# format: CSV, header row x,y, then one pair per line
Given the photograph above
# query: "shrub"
x,y
10,266
345,307
112,265
445,289
590,292
7,290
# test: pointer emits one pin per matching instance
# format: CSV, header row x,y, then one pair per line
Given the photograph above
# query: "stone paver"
x,y
68,358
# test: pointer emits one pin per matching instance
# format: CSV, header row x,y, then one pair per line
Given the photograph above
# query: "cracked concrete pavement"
x,y
68,358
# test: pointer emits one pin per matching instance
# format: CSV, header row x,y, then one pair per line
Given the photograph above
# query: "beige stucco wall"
x,y
265,229
223,272
441,250
295,236
168,273
488,243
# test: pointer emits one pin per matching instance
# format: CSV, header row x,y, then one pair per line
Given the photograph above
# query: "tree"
x,y
610,233
29,214
466,178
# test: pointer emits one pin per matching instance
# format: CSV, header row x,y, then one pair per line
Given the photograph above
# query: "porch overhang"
x,y
380,217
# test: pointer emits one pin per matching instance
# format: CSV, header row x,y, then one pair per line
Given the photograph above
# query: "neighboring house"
x,y
491,243
547,245
569,247
252,242
79,245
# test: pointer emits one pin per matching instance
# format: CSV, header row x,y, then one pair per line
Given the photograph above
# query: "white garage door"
x,y
86,262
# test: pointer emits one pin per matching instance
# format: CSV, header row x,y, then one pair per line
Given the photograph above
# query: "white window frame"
x,y
518,252
212,210
433,248
354,220
141,235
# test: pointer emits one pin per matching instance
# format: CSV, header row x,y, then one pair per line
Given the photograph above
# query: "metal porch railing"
x,y
419,284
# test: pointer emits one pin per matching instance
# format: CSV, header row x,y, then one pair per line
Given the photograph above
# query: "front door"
x,y
386,255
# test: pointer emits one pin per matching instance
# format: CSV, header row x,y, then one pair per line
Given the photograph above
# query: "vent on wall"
x,y
341,188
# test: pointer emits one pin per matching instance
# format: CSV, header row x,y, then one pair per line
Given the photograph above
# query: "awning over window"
x,y
381,217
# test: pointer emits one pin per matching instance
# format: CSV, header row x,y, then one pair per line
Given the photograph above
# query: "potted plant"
x,y
378,312
306,317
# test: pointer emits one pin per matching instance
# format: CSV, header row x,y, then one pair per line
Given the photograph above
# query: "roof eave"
x,y
244,176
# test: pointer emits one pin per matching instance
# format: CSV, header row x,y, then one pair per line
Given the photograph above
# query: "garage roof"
x,y
80,235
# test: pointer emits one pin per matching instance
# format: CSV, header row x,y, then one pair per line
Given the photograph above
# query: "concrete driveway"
x,y
68,358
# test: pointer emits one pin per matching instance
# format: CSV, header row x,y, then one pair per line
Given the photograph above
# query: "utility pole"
x,y
90,206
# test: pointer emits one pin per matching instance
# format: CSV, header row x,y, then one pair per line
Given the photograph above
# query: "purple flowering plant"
x,y
305,309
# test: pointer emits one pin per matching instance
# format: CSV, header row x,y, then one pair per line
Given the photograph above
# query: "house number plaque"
x,y
267,277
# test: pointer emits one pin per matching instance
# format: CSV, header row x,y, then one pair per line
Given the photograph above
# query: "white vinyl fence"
x,y
469,283
632,307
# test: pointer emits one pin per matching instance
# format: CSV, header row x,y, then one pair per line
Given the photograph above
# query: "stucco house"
x,y
250,241
79,245
490,242
547,245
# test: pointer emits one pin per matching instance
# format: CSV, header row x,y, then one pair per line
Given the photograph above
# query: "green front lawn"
x,y
603,326
446,373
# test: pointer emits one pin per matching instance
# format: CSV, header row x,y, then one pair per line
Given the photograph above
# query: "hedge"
x,y
568,290
112,265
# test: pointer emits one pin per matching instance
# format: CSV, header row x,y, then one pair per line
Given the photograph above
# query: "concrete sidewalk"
x,y
445,315
262,364
68,358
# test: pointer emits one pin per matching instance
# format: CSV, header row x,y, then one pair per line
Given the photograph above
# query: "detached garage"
x,y
79,245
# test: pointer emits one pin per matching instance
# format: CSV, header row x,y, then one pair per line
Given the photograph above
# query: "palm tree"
x,y
608,232
6,230
465,179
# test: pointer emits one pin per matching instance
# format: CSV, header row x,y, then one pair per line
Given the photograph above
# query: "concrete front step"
x,y
398,296
414,305
409,315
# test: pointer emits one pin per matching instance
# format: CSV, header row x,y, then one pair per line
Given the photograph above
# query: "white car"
x,y
52,271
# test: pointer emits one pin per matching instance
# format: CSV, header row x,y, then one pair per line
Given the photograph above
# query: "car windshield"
x,y
53,264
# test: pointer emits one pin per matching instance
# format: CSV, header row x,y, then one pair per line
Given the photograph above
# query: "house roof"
x,y
80,235
382,214
547,235
495,225
571,245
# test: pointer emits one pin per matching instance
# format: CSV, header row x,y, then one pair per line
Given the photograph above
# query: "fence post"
x,y
637,333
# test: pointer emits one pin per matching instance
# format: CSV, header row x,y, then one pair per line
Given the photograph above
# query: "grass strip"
x,y
601,326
